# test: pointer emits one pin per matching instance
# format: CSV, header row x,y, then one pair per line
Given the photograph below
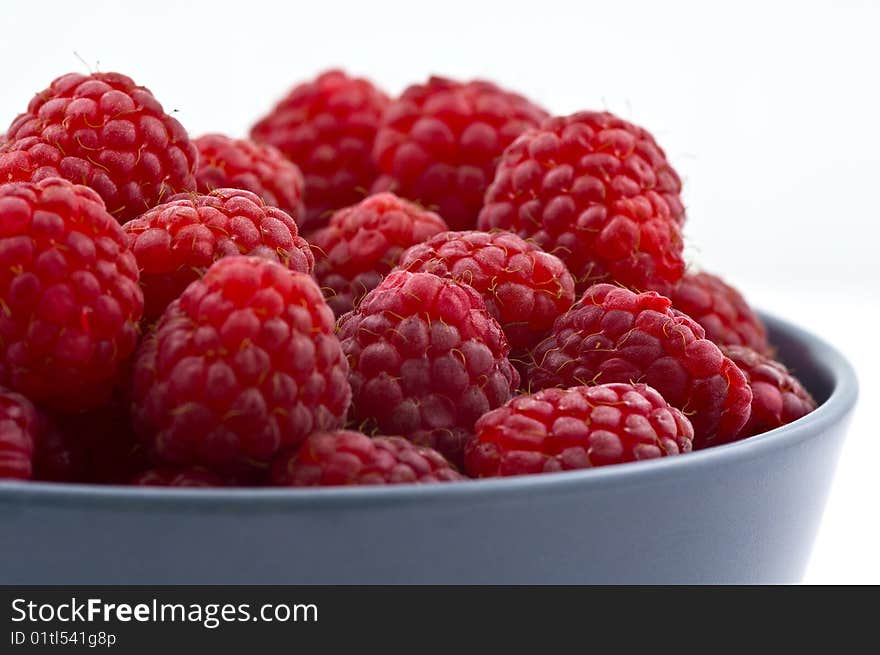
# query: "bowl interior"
x,y
807,358
819,366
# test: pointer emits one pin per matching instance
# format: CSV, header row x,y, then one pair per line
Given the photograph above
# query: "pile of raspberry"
x,y
443,285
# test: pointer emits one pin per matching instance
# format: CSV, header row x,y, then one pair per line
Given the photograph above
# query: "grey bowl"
x,y
742,513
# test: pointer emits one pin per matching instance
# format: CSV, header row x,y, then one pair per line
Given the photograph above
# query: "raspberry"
x,y
362,244
351,458
19,426
104,131
327,126
615,335
193,476
577,428
69,296
244,363
97,446
524,288
721,310
427,360
778,397
258,168
440,142
598,192
177,241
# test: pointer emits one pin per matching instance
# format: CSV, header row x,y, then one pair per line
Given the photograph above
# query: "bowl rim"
x,y
841,400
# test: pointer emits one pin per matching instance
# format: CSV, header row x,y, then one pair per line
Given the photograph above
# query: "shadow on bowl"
x,y
745,512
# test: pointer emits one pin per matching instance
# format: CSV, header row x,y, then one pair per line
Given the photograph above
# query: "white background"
x,y
770,113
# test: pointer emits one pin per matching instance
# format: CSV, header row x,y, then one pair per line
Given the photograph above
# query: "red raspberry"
x,y
721,310
577,428
98,446
193,476
362,244
598,192
440,142
103,131
615,335
351,458
524,288
69,295
427,360
327,126
244,363
259,168
778,397
19,426
176,242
